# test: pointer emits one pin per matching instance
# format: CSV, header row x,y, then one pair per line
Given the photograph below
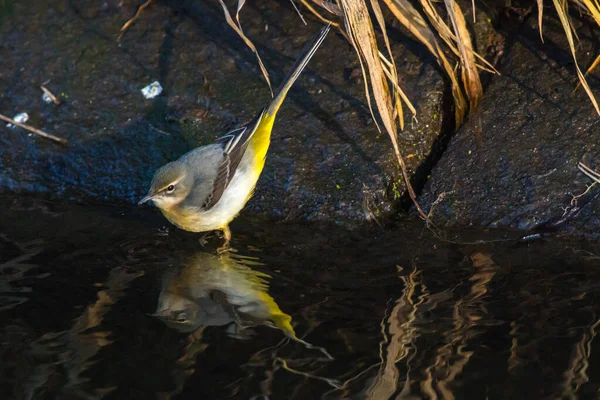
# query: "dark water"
x,y
105,303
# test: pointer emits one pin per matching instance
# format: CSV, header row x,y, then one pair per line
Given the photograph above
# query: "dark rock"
x,y
536,129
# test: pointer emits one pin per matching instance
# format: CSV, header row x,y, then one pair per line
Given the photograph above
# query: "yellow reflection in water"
x,y
223,290
217,290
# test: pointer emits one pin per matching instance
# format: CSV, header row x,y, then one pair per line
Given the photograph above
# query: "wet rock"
x,y
327,159
536,129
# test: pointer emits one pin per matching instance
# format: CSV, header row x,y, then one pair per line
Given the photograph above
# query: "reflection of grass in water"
x,y
14,270
70,353
452,357
576,375
399,339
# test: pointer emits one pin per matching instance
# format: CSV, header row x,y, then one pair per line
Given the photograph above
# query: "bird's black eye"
x,y
170,188
180,317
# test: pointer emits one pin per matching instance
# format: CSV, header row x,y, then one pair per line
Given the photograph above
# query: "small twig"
x,y
132,20
298,12
52,96
575,198
409,188
32,129
158,130
441,197
367,208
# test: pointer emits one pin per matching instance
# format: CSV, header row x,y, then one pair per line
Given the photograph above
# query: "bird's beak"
x,y
155,315
145,199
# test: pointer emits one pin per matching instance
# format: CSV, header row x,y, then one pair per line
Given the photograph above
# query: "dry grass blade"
x,y
470,80
540,4
450,37
470,76
439,25
594,65
593,7
32,129
332,8
362,37
389,67
408,16
590,69
238,29
132,20
562,10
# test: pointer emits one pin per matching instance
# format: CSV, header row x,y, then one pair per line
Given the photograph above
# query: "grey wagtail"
x,y
206,188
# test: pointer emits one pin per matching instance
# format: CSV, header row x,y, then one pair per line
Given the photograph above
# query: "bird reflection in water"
x,y
223,290
219,290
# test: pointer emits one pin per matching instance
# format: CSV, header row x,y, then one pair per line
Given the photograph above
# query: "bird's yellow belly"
x,y
189,220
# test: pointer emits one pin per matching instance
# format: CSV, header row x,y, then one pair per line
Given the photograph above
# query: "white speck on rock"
x,y
20,118
152,90
46,98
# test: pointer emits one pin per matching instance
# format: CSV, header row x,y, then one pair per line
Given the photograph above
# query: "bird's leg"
x,y
227,236
203,241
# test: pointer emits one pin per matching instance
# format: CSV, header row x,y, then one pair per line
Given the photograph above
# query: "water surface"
x,y
100,302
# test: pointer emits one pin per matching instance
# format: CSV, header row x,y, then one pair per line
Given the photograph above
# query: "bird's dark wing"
x,y
234,146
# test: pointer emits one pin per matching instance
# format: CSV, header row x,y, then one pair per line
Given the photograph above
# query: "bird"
x,y
206,188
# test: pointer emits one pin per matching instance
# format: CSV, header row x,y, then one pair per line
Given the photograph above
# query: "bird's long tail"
x,y
261,137
296,70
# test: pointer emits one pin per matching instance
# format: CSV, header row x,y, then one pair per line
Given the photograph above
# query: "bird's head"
x,y
170,185
178,312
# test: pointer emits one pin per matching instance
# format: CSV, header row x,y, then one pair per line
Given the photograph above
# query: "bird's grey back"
x,y
203,163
